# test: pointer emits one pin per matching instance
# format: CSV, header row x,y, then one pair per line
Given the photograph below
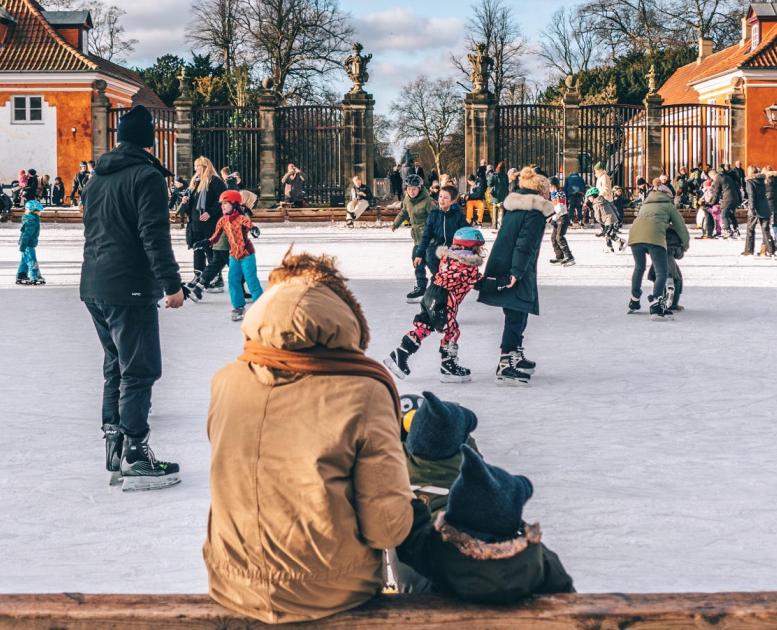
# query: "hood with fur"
x,y
464,256
528,200
471,547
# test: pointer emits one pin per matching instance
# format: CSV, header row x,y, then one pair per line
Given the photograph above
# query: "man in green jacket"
x,y
648,237
416,206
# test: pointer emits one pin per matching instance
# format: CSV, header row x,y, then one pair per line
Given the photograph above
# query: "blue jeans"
x,y
29,264
658,256
239,269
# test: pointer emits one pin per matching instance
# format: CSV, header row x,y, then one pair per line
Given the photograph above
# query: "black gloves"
x,y
255,232
203,244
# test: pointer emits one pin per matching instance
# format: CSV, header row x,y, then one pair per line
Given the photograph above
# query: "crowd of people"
x,y
29,186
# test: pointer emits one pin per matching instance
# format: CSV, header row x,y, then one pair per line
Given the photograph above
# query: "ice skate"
x,y
508,375
416,295
568,262
634,305
556,261
450,370
196,291
398,361
659,312
521,363
114,439
21,278
621,245
237,314
141,470
216,286
736,233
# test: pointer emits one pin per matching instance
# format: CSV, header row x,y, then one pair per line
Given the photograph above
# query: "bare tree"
x,y
428,111
568,45
296,42
716,19
216,27
494,23
636,24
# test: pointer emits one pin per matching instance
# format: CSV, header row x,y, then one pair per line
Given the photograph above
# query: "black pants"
x,y
729,216
709,224
558,238
132,363
515,325
432,262
766,238
202,258
218,260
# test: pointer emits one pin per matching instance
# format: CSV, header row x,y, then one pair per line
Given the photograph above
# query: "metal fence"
x,y
616,136
229,136
695,135
530,134
164,130
311,137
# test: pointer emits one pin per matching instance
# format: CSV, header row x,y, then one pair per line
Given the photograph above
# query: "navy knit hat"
x,y
439,429
487,502
137,127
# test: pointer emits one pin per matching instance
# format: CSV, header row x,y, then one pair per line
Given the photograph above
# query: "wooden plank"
x,y
672,611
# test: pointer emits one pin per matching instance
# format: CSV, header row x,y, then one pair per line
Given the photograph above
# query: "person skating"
x,y
620,201
458,273
361,199
80,180
128,267
416,206
560,221
514,255
474,200
441,224
574,190
647,237
242,257
725,191
770,184
675,252
607,216
758,213
28,272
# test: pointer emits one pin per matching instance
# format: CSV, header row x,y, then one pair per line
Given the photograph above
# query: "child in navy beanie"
x,y
480,549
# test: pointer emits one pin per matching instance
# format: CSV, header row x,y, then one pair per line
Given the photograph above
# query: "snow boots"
x,y
398,360
141,470
507,372
113,444
416,295
450,370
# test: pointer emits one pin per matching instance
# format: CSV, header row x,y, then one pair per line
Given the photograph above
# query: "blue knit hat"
x,y
439,429
468,237
487,502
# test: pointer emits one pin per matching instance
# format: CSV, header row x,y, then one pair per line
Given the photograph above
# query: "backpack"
x,y
435,306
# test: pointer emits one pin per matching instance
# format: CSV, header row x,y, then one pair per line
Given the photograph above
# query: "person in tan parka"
x,y
308,477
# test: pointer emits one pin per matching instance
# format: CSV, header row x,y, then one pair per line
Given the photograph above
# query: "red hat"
x,y
232,196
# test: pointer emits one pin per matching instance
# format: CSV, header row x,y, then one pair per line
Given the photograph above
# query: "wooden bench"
x,y
615,611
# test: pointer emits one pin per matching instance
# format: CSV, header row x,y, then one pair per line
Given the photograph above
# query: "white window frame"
x,y
27,109
755,35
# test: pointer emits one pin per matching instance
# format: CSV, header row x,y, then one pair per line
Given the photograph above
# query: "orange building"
x,y
745,72
48,82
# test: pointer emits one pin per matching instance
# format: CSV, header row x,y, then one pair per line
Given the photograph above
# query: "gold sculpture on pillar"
x,y
356,68
481,64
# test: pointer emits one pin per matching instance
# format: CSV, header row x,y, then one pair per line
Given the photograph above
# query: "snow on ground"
x,y
651,445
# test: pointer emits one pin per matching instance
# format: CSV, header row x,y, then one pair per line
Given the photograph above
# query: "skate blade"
x,y
116,478
451,378
505,382
569,264
415,300
134,484
394,369
216,290
658,318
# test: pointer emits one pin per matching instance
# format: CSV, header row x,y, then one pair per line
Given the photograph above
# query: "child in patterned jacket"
x,y
242,259
458,274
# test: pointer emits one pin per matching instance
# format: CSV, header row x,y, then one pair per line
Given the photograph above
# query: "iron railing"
x,y
695,135
530,134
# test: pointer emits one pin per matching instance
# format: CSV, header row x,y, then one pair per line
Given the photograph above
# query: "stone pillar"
x,y
358,143
268,155
100,107
479,130
184,149
653,150
572,148
737,125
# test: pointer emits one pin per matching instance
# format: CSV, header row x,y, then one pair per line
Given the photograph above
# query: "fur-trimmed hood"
x,y
528,201
464,256
476,549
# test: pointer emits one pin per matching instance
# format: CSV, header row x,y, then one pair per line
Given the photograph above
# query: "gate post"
x,y
479,130
653,152
571,137
268,172
100,106
184,151
737,129
359,147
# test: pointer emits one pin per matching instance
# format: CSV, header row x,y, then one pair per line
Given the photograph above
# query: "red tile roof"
x,y
679,89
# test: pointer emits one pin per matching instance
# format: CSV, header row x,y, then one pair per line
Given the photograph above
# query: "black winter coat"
x,y
30,191
57,194
440,228
128,256
197,230
516,250
396,182
497,573
756,194
726,191
770,184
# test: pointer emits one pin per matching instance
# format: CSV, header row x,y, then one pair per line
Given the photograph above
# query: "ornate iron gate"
x,y
616,136
164,127
229,136
311,137
530,134
695,135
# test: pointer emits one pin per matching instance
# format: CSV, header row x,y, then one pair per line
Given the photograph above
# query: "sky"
x,y
406,39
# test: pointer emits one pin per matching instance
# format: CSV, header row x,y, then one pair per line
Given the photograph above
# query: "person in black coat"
x,y
758,212
79,182
203,209
30,191
395,179
770,184
128,267
725,191
441,225
58,192
514,255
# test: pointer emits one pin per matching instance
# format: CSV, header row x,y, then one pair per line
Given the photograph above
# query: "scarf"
x,y
318,360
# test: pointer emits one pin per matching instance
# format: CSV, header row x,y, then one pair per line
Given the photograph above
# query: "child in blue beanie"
x,y
479,549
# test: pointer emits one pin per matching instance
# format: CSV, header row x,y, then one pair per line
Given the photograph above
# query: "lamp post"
x,y
771,116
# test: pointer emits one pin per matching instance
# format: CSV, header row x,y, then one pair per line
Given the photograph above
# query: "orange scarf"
x,y
318,360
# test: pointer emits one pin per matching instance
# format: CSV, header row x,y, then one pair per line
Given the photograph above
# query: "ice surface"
x,y
651,446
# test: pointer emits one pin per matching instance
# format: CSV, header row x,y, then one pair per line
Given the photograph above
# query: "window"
x,y
27,109
755,35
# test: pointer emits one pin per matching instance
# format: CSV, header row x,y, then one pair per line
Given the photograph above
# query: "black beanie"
x,y
439,429
137,127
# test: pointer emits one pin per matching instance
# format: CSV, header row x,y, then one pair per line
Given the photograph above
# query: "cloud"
x,y
403,29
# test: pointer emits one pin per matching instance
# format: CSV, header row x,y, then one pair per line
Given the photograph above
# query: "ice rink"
x,y
652,446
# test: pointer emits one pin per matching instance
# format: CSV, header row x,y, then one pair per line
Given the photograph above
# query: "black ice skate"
x,y
659,312
556,261
416,295
40,280
568,262
237,314
217,286
450,370
634,305
196,290
398,360
21,278
507,374
141,470
113,442
521,363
